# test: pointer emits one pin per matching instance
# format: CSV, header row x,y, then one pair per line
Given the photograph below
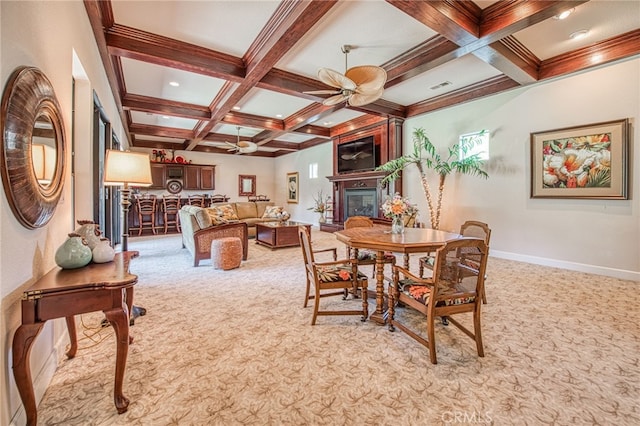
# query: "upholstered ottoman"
x,y
226,253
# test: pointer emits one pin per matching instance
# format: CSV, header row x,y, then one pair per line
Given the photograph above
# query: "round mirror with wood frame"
x,y
30,112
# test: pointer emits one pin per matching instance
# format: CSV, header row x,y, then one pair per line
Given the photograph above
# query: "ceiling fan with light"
x,y
242,147
358,86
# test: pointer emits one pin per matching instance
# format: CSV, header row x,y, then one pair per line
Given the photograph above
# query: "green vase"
x,y
73,253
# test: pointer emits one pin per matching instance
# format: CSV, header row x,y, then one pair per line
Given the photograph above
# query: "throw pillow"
x,y
272,212
226,212
215,217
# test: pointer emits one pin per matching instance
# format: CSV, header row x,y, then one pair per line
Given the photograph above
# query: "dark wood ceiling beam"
x,y
300,119
165,107
167,132
250,120
145,143
215,150
511,58
96,15
288,83
359,123
288,24
465,94
152,48
314,130
615,48
428,55
458,21
505,18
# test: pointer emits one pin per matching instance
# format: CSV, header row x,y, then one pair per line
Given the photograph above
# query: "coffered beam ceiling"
x,y
462,28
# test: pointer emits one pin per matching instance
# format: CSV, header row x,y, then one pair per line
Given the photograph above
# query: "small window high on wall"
x,y
475,143
313,170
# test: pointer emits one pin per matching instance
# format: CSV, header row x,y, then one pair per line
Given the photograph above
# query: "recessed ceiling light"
x,y
174,83
578,34
236,108
166,117
564,15
278,115
326,123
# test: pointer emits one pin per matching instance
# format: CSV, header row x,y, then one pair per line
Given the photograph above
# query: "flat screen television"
x,y
358,156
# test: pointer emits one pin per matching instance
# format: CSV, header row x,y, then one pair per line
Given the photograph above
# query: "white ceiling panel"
x,y
460,72
147,79
602,18
211,24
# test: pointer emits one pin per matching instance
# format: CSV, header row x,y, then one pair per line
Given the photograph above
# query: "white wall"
x,y
44,34
600,236
307,188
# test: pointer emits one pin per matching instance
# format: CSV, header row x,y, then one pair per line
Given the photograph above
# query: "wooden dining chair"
x,y
470,228
456,287
330,279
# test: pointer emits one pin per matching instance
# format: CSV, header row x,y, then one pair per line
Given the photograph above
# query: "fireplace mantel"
x,y
388,137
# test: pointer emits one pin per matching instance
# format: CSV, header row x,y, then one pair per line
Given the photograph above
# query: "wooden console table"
x,y
106,287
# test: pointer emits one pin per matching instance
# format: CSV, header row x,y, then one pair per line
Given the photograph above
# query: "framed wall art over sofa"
x,y
589,161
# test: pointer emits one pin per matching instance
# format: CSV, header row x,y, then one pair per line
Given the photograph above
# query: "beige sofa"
x,y
198,228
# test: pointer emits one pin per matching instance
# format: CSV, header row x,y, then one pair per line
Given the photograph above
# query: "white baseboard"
x,y
42,379
572,266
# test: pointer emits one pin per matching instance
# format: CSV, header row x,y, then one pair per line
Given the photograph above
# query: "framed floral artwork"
x,y
588,161
292,187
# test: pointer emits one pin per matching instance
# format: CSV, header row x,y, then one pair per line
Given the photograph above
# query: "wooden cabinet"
x,y
199,177
158,176
192,176
207,177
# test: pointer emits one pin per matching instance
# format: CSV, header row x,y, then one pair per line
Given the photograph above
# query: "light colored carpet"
x,y
236,347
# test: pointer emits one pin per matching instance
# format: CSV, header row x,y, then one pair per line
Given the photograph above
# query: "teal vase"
x,y
73,253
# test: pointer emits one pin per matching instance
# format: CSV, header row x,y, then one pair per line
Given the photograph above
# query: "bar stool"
x,y
170,208
196,200
146,212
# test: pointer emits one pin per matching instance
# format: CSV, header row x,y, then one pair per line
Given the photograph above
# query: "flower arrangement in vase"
x,y
396,208
322,203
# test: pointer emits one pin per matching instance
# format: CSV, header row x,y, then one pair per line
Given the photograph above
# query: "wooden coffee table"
x,y
279,234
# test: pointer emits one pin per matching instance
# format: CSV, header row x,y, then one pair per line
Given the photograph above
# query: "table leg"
x,y
22,341
119,319
379,315
73,338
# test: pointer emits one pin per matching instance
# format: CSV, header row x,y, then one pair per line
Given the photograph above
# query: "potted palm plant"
x,y
425,156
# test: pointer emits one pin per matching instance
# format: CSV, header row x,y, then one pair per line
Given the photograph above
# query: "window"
x,y
474,143
313,170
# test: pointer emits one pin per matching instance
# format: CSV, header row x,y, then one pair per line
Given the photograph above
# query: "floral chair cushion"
x,y
421,293
337,273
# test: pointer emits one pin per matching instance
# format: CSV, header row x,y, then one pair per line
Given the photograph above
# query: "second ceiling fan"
x,y
358,86
242,147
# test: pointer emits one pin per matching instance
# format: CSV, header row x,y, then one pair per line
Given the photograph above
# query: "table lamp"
x,y
126,169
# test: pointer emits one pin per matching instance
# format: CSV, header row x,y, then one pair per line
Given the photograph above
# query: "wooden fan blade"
x,y
323,92
335,79
358,99
335,100
368,78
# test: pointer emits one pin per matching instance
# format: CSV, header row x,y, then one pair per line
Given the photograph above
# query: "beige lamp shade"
x,y
126,167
